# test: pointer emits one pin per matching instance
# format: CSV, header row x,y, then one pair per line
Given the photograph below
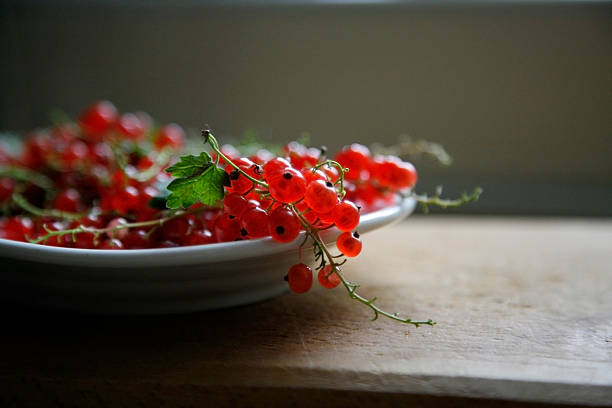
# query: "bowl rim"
x,y
188,255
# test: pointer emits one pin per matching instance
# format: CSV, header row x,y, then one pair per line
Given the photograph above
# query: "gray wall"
x,y
521,95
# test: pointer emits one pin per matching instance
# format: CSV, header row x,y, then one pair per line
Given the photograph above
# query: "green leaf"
x,y
190,165
205,185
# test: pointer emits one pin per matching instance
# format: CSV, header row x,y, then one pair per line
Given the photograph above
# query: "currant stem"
x,y
24,174
23,203
110,231
341,170
210,139
436,199
352,287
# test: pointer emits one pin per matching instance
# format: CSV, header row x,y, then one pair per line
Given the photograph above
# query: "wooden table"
x,y
523,305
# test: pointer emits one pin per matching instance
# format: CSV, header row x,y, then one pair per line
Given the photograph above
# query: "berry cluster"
x,y
112,181
98,173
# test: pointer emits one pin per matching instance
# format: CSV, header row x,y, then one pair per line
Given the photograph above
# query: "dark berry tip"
x,y
243,232
286,278
231,217
329,184
280,229
288,176
356,234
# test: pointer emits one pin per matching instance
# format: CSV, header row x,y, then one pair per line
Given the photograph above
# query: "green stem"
x,y
465,198
351,287
24,174
110,231
341,170
210,139
53,213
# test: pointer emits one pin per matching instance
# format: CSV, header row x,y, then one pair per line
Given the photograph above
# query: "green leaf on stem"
x,y
189,165
197,179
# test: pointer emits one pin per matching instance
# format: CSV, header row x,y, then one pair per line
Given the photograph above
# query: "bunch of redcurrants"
x,y
98,183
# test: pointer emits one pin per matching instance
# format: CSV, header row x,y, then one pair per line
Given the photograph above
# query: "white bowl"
x,y
159,281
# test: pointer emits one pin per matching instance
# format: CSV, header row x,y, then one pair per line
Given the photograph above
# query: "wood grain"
x,y
523,307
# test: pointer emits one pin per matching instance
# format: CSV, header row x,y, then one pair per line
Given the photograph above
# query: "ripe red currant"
x,y
17,229
321,196
171,135
255,222
239,183
98,118
283,225
130,126
234,204
287,186
68,200
199,237
226,228
346,216
300,278
111,243
349,244
275,166
356,158
327,278
136,239
112,228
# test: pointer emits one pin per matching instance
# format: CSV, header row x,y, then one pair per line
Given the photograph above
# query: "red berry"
x,y
171,135
199,237
309,176
117,233
111,243
136,239
326,218
327,278
356,158
393,173
145,119
346,216
255,222
275,166
17,229
349,244
261,156
283,225
84,240
239,183
300,278
175,229
98,119
234,204
321,196
130,127
37,148
68,200
287,186
126,199
226,228
144,163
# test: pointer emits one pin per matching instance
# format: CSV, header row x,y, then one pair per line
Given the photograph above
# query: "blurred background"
x,y
519,93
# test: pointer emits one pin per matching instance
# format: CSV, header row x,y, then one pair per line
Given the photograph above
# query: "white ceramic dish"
x,y
159,281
